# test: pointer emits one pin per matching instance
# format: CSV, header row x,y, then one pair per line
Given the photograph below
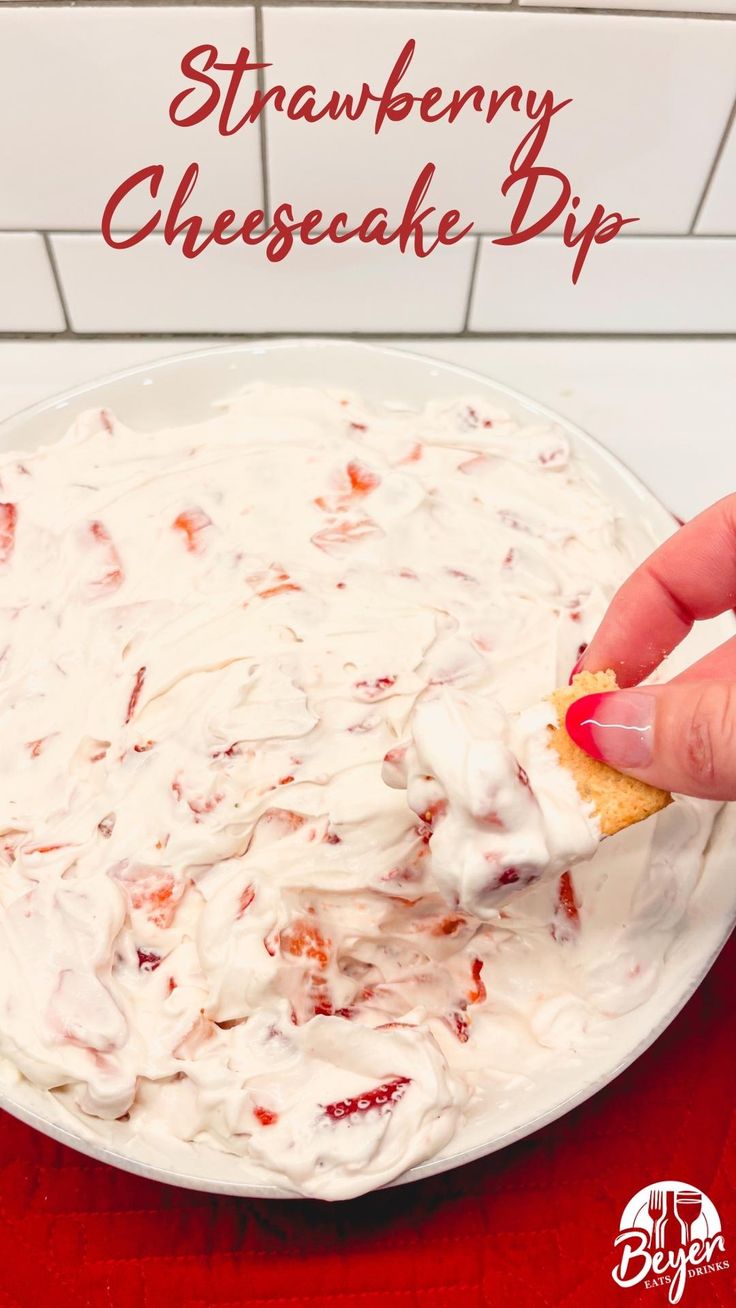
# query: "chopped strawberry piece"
x,y
509,877
477,992
381,1097
282,589
303,939
135,693
448,926
522,776
332,539
105,825
373,689
433,811
245,901
46,849
458,1024
153,891
113,577
566,898
551,456
491,819
362,479
200,806
8,523
319,996
414,455
191,523
265,1116
285,818
148,960
271,942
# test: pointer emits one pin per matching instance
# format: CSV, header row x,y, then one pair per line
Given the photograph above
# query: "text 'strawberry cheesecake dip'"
x,y
218,923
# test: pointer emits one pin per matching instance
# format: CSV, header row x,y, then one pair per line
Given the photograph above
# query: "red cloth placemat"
x,y
530,1226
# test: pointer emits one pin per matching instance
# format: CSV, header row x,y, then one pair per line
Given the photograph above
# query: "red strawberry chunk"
x,y
135,694
448,926
303,939
106,825
148,960
282,589
8,523
191,523
477,992
362,479
566,898
246,899
265,1115
374,688
381,1098
458,1024
433,811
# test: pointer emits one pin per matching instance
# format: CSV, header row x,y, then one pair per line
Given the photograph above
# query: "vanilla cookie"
x,y
619,801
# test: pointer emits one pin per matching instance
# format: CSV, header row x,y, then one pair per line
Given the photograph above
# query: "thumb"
x,y
681,736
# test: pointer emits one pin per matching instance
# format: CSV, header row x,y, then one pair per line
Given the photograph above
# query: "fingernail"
x,y
614,727
578,662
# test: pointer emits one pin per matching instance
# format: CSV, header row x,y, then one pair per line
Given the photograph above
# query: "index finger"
x,y
691,576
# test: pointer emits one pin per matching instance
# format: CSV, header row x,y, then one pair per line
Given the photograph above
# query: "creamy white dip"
x,y
217,921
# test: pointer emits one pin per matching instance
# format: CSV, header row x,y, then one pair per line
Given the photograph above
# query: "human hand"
x,y
679,736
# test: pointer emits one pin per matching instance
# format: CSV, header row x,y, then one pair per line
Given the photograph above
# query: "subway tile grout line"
x,y
51,256
712,171
262,123
428,6
471,284
369,334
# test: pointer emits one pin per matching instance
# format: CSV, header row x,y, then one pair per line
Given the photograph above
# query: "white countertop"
x,y
667,408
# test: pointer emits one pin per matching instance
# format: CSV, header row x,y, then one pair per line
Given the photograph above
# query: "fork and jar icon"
x,y
673,1214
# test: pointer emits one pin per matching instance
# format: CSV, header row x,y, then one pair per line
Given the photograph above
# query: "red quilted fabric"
x,y
531,1226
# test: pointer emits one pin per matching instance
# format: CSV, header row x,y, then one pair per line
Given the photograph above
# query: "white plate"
x,y
185,389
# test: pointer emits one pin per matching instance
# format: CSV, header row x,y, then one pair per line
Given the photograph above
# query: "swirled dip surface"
x,y
218,923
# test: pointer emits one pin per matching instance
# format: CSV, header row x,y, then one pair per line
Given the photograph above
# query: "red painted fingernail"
x,y
581,655
614,726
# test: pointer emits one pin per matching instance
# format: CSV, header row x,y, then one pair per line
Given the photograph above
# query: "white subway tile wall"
x,y
637,285
326,288
632,138
28,297
84,97
718,213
